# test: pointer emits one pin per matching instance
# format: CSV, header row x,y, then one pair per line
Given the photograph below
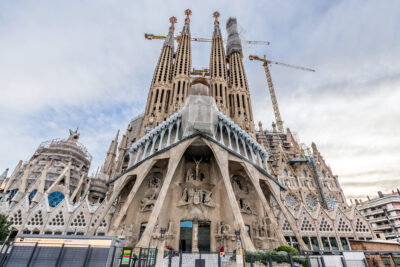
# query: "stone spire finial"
x,y
216,16
169,40
188,12
173,20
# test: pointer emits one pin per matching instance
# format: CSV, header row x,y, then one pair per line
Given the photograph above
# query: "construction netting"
x,y
233,43
199,114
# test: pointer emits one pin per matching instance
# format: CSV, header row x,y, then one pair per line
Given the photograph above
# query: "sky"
x,y
86,64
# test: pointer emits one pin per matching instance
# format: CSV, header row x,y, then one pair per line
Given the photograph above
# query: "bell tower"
x,y
240,109
157,108
218,71
182,67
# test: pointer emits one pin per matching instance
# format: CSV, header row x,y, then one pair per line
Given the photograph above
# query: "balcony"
x,y
379,219
382,227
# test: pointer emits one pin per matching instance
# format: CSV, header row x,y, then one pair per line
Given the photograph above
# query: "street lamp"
x,y
163,231
237,234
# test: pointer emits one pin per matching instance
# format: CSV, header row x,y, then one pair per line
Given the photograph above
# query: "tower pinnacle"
x,y
188,12
216,16
218,70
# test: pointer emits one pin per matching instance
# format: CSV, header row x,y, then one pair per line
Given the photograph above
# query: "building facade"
x,y
193,170
383,213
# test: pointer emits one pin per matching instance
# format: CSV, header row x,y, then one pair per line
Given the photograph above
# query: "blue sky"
x,y
68,64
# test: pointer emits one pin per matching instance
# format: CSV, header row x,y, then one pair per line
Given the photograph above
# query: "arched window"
x,y
285,173
304,173
55,198
32,195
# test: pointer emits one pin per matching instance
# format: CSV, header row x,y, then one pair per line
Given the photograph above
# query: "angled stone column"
x,y
252,173
173,162
116,193
139,180
221,157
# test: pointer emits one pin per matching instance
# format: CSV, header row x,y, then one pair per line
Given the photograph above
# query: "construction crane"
x,y
150,36
275,106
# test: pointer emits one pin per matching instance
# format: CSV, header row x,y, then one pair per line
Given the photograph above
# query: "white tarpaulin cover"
x,y
199,114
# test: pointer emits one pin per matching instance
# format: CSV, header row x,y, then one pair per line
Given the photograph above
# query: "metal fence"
x,y
135,257
199,259
54,254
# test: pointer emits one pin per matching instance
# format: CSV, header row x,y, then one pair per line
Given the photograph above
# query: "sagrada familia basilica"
x,y
192,168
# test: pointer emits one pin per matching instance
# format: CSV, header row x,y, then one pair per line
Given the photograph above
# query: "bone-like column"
x,y
139,180
116,193
253,175
221,157
172,164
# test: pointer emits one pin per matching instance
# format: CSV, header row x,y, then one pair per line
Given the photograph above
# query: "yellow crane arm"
x,y
279,63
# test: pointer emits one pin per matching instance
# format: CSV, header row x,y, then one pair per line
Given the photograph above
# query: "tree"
x,y
4,227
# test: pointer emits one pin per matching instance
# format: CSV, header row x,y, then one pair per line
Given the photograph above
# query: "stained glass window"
x,y
55,198
32,195
291,200
331,201
311,201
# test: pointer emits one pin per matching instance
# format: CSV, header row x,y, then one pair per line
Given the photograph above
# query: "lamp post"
x,y
163,231
160,248
237,234
239,256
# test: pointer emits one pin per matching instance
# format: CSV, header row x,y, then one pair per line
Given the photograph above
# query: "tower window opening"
x,y
238,101
156,98
162,95
179,88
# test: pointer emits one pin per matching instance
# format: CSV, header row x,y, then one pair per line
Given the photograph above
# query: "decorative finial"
x,y
73,135
188,12
216,16
172,20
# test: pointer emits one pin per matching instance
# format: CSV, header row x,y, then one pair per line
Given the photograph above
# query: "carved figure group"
x,y
196,196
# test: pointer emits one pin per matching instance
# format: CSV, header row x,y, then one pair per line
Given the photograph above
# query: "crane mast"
x,y
275,106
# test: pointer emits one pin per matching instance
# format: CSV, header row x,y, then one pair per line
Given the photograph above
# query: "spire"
x,y
109,162
218,70
239,96
169,40
3,176
157,107
182,67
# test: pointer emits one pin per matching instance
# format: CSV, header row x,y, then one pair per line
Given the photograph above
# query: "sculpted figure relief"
x,y
147,203
245,206
196,196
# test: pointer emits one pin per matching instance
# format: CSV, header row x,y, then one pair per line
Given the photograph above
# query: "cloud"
x,y
73,63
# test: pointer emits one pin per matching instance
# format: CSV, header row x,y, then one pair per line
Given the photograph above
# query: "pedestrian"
x,y
134,259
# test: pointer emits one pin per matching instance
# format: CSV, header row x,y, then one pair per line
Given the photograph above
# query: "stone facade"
x,y
191,172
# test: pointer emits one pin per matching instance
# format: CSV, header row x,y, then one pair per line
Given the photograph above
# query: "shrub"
x,y
288,249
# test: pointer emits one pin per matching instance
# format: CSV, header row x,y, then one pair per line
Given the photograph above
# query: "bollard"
x,y
291,260
323,262
170,258
270,260
343,262
251,260
219,259
180,258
